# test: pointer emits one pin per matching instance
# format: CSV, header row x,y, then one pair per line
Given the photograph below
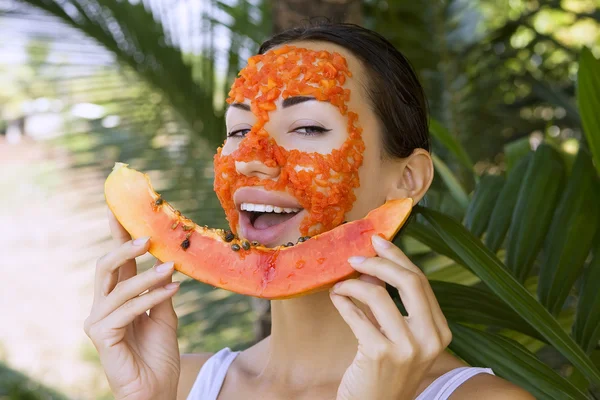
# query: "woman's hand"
x,y
394,352
138,352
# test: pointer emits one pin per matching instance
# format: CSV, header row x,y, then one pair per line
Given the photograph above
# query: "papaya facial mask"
x,y
323,184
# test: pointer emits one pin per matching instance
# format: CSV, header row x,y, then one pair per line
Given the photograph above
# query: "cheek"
x,y
371,192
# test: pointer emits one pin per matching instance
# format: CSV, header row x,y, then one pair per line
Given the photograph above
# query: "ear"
x,y
410,176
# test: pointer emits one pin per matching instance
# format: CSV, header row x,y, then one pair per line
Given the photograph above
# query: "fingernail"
x,y
356,260
165,267
334,289
141,241
171,285
381,242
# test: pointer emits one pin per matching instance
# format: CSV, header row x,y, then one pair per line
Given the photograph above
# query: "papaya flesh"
x,y
208,255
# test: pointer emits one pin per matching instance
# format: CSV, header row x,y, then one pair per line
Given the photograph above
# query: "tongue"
x,y
267,220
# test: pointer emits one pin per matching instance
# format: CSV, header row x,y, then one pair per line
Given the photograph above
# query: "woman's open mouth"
x,y
265,223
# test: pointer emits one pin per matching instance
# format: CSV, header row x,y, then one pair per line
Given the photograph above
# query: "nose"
x,y
257,169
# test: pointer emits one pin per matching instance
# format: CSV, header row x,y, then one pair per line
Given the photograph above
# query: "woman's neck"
x,y
310,343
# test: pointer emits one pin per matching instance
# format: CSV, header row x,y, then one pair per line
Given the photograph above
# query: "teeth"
x,y
267,208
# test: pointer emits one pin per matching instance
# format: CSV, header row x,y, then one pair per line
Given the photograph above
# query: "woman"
x,y
325,124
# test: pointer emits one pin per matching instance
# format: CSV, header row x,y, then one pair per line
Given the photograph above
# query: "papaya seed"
x,y
289,244
185,244
158,201
229,236
235,247
255,243
246,245
301,239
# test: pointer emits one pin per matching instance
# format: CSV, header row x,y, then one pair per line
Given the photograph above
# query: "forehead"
x,y
317,47
321,70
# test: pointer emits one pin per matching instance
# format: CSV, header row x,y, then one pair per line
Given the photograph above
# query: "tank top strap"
x,y
210,379
446,384
212,375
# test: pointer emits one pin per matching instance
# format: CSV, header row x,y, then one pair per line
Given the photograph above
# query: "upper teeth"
x,y
267,208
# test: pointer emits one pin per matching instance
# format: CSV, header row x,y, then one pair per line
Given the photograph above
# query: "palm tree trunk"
x,y
287,14
290,13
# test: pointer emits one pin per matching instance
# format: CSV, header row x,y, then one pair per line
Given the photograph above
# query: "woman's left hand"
x,y
394,352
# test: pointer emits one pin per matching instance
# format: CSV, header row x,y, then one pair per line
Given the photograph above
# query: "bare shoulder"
x,y
190,367
490,387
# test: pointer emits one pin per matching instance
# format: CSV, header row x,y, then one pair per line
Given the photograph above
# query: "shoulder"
x,y
190,367
490,387
480,386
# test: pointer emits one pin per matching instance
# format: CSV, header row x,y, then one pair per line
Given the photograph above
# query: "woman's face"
x,y
302,155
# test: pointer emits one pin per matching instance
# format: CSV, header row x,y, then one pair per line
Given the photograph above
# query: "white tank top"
x,y
212,374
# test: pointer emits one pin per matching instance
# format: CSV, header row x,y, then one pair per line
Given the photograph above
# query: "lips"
x,y
267,228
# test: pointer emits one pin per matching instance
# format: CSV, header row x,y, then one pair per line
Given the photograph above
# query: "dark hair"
x,y
395,92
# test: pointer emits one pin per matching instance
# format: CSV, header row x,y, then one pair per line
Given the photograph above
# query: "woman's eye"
x,y
238,132
311,130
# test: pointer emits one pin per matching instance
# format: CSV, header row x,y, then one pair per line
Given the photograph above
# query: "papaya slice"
x,y
216,257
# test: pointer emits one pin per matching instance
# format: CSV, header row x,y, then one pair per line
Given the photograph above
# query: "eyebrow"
x,y
290,101
242,106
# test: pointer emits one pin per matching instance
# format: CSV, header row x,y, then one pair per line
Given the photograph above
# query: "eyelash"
x,y
235,133
318,131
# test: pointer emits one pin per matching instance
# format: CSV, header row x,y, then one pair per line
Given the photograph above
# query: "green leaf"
x,y
456,189
429,237
588,101
507,199
535,207
473,305
444,136
492,272
571,234
482,204
578,379
132,33
512,361
19,386
453,273
515,151
586,329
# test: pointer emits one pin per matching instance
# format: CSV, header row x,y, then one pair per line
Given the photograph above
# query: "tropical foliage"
x,y
515,276
17,386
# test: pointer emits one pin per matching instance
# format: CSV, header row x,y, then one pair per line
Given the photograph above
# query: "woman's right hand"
x,y
138,351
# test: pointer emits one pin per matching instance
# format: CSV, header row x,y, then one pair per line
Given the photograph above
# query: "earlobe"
x,y
411,176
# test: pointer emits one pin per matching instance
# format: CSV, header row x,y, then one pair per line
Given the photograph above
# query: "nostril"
x,y
257,169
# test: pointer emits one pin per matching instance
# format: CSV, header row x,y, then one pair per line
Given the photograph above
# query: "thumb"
x,y
164,311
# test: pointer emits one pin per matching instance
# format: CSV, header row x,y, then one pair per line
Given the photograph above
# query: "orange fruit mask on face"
x,y
322,183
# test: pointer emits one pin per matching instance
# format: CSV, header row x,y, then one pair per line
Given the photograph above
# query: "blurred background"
x,y
85,83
